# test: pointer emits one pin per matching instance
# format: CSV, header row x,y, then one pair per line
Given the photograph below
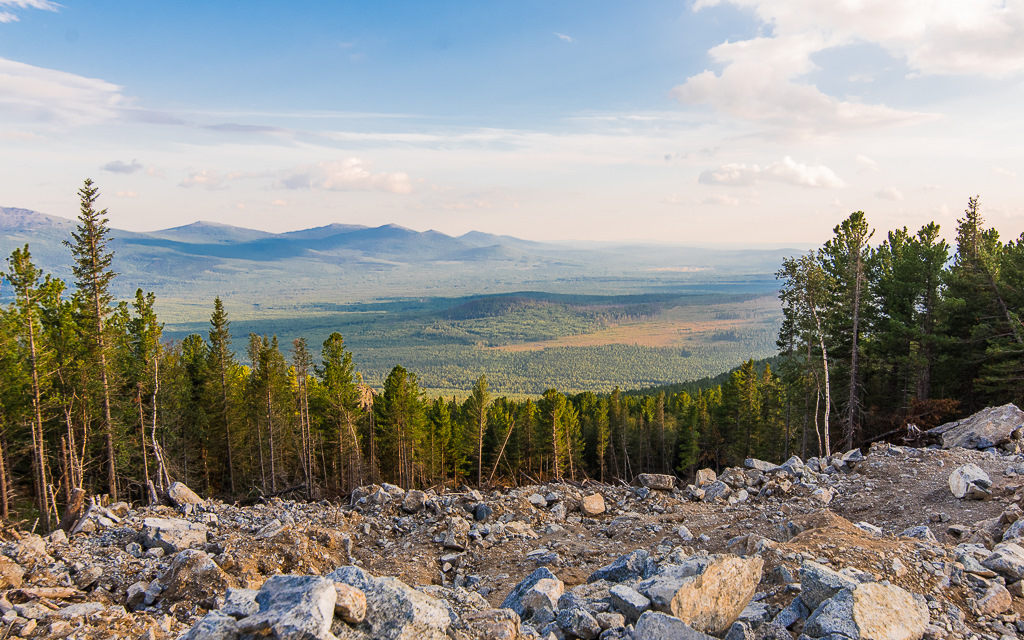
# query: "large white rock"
x,y
708,594
969,481
872,611
657,481
179,494
988,428
293,607
172,534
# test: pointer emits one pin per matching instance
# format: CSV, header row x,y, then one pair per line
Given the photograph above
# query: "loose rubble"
x,y
886,543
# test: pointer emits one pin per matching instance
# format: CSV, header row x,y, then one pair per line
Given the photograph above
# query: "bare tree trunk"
x,y
142,434
38,443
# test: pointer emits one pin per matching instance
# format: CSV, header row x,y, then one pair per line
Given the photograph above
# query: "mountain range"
x,y
346,262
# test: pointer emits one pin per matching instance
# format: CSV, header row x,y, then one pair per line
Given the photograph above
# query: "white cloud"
x,y
34,94
787,171
978,37
564,38
866,164
7,16
126,194
762,78
759,82
732,174
207,178
1006,173
350,174
118,166
890,193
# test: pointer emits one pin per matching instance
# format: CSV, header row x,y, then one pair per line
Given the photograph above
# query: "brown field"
x,y
678,326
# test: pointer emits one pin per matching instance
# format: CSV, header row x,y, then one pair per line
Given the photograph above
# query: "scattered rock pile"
x,y
899,542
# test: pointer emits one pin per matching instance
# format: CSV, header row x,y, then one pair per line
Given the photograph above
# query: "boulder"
x,y
172,534
239,603
194,577
629,602
995,601
514,600
707,593
577,622
179,495
760,465
969,481
1008,559
657,481
705,477
457,536
717,490
538,500
396,611
544,594
492,624
592,505
819,583
872,611
413,501
350,604
293,608
213,626
989,427
655,625
11,573
627,567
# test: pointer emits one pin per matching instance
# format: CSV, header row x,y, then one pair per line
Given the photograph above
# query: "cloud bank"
x,y
787,171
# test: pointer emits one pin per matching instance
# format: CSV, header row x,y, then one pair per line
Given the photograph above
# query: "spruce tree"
x,y
93,275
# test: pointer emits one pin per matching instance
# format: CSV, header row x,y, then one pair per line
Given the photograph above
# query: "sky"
x,y
741,121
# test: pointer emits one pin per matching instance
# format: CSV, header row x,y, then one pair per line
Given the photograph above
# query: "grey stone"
x,y
987,428
1008,559
213,626
920,532
240,603
538,500
544,594
135,597
482,512
413,501
627,567
179,495
592,505
172,534
657,481
87,577
195,577
819,583
293,608
655,625
872,611
760,465
793,613
396,611
457,536
629,602
717,490
577,621
969,481
79,610
352,576
705,477
514,599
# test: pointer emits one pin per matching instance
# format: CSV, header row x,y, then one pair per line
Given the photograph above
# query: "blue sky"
x,y
715,120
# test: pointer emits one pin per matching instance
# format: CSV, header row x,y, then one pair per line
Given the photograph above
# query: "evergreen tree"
x,y
222,361
93,275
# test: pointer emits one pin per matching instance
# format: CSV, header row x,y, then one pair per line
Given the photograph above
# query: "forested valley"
x,y
907,330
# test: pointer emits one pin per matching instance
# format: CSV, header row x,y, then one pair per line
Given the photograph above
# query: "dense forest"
x,y
875,337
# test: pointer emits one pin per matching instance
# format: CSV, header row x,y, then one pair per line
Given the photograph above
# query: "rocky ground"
x,y
874,545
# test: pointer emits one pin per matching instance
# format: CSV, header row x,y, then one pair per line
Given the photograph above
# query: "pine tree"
x,y
476,407
337,377
222,360
93,275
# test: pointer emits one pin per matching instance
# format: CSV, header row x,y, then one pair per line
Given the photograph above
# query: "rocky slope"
x,y
855,546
